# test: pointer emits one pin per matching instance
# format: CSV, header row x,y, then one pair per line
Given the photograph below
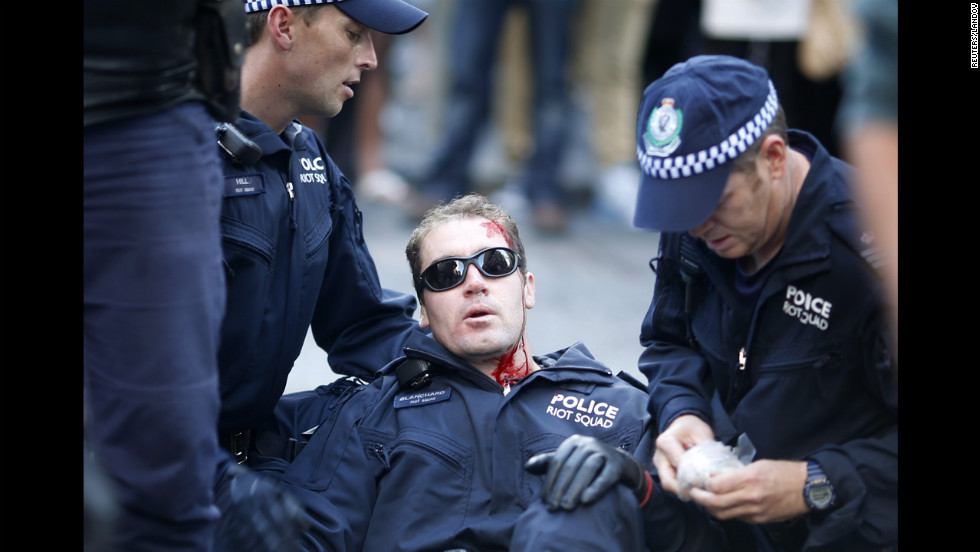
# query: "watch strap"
x,y
818,483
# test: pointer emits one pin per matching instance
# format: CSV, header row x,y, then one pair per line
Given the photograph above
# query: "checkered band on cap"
x,y
260,5
681,166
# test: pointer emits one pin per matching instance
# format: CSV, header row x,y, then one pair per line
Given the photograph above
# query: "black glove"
x,y
257,513
583,468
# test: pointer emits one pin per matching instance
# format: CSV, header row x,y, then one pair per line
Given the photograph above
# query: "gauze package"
x,y
703,460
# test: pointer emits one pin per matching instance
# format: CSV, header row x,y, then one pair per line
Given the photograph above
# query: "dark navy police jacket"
x,y
441,467
805,372
295,259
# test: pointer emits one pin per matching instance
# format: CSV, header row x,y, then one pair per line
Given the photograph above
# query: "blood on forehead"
x,y
495,229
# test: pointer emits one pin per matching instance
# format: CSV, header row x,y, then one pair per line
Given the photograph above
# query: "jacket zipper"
x,y
382,454
292,204
738,380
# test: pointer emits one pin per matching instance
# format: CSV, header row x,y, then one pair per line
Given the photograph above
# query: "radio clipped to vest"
x,y
690,270
235,146
414,374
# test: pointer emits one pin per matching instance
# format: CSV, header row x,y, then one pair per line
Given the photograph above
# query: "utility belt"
x,y
261,441
324,403
322,406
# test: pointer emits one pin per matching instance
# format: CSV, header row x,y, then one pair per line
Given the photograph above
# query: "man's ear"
x,y
280,26
529,291
423,317
773,150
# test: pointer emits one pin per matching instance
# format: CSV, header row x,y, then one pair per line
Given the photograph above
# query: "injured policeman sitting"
x,y
436,454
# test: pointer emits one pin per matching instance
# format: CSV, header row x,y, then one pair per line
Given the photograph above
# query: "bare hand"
x,y
764,491
683,433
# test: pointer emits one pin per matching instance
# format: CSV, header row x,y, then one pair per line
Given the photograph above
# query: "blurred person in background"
x,y
610,50
868,121
473,46
773,35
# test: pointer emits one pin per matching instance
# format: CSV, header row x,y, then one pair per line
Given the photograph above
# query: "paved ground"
x,y
593,285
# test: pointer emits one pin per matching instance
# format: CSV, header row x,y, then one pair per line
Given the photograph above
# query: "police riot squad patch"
x,y
806,308
312,172
422,398
243,185
580,410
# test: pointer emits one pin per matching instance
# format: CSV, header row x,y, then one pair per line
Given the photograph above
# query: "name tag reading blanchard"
x,y
422,398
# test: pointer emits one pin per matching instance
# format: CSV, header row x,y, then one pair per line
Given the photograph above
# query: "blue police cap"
x,y
692,123
386,16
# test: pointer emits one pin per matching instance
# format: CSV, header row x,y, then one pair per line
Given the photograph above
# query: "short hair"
x,y
461,207
255,22
745,162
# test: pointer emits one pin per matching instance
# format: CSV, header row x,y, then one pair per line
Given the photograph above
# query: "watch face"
x,y
820,495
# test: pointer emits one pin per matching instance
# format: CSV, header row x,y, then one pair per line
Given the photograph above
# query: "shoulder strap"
x,y
630,379
846,224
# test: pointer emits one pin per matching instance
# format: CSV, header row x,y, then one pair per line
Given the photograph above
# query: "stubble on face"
x,y
735,226
330,62
483,319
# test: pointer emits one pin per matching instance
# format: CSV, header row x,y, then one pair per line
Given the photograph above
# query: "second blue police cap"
x,y
386,16
692,123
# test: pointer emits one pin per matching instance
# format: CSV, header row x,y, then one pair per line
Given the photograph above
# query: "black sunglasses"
x,y
494,262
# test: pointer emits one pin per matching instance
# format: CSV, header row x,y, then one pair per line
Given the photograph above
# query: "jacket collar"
x,y
808,236
573,363
265,138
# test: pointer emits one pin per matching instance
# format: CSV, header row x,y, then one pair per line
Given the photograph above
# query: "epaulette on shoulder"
x,y
630,379
845,221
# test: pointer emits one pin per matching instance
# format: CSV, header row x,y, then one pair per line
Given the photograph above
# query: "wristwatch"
x,y
818,491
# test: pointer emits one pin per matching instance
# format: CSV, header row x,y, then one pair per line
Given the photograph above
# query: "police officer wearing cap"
x,y
294,252
766,318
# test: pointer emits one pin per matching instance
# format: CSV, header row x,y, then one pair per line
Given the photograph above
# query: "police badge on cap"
x,y
663,131
692,124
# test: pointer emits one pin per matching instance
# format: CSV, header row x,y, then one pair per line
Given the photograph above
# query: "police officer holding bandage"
x,y
766,317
